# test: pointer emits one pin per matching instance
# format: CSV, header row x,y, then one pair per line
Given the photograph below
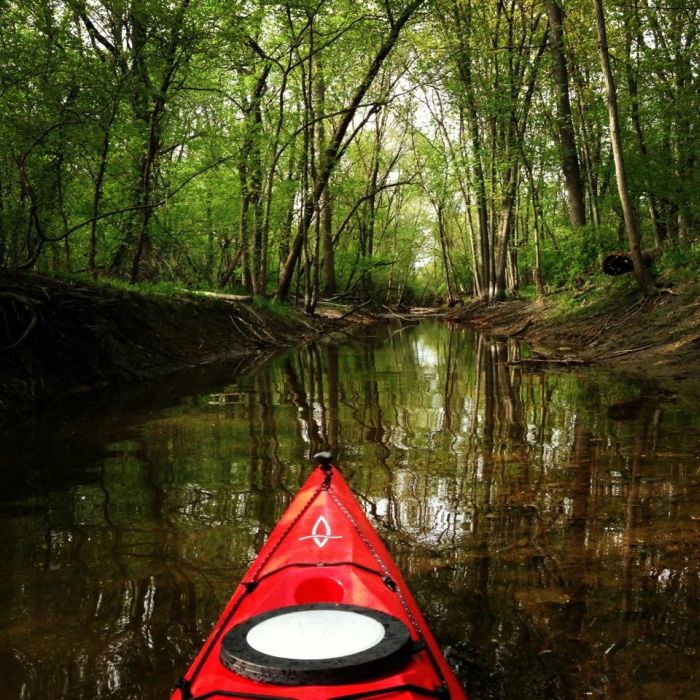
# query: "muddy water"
x,y
547,521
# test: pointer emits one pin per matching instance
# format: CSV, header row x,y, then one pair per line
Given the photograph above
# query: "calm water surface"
x,y
548,523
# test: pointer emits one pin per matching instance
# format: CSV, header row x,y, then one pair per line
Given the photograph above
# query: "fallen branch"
x,y
617,353
352,311
393,313
549,360
521,329
237,298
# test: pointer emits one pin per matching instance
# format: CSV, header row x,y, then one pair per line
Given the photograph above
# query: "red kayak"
x,y
323,613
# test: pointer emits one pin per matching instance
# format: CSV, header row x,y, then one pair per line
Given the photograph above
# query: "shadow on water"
x,y
548,522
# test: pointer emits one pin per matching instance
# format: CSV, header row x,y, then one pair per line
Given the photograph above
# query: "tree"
x,y
337,145
283,146
572,175
631,223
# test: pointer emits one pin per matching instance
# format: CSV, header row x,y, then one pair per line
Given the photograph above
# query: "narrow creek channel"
x,y
548,522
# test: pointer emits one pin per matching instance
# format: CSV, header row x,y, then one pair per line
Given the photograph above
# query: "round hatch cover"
x,y
322,644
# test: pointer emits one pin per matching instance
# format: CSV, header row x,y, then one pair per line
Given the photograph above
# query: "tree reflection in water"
x,y
547,521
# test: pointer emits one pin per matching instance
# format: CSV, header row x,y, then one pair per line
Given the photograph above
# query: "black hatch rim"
x,y
382,658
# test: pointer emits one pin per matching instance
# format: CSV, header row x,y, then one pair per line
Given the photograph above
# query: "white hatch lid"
x,y
316,634
316,644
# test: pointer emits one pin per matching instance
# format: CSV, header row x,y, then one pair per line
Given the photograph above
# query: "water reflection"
x,y
549,522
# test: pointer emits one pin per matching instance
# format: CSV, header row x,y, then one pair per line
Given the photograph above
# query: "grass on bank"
x,y
577,285
282,311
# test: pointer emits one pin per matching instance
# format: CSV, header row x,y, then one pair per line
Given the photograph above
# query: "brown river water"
x,y
547,521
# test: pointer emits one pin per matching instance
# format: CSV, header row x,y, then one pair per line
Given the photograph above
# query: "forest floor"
x,y
657,338
61,337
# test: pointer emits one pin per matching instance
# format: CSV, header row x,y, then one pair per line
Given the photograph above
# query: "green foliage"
x,y
192,132
578,255
276,308
162,288
680,264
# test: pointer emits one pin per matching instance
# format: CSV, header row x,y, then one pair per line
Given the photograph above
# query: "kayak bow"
x,y
323,613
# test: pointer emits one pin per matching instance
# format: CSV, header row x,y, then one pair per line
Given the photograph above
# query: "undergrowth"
x,y
276,308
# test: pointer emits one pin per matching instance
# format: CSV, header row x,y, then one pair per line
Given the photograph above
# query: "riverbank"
x,y
61,337
656,338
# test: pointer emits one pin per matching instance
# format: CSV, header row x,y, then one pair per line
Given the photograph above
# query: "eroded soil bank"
x,y
59,337
657,338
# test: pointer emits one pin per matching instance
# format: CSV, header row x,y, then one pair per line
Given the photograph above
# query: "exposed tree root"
x,y
58,337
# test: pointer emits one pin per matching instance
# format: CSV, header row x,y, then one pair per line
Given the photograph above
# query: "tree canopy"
x,y
399,150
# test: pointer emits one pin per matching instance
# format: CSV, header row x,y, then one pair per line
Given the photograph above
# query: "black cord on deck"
x,y
324,461
184,686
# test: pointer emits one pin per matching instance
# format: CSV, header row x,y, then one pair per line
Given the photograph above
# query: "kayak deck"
x,y
322,613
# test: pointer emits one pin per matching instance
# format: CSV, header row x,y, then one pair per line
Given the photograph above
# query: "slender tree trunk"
x,y
255,166
334,150
371,206
227,272
538,219
244,226
572,175
286,233
325,204
143,242
4,243
310,247
444,246
632,86
631,225
465,185
514,140
477,176
504,233
97,194
154,118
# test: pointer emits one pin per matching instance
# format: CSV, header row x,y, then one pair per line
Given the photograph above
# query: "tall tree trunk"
x,y
259,262
572,174
445,248
520,110
310,247
474,241
150,106
371,206
586,146
143,242
286,233
632,86
334,150
469,112
97,193
243,227
478,177
538,217
325,204
504,232
227,272
631,225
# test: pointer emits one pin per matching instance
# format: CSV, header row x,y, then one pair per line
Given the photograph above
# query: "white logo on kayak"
x,y
321,533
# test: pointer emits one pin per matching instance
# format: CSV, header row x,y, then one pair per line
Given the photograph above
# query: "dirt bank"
x,y
59,337
657,338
